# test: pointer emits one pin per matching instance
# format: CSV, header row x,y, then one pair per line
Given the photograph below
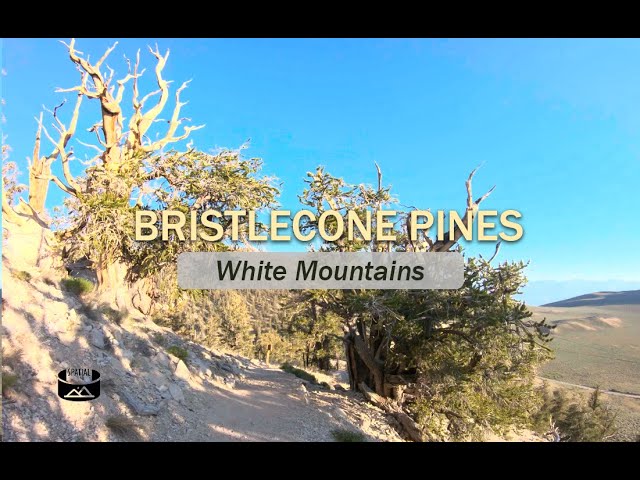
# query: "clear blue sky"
x,y
555,122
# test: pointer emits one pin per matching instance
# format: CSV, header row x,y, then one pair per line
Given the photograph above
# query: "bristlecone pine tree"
x,y
130,171
453,360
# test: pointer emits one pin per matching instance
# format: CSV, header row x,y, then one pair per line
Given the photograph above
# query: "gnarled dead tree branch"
x,y
116,151
8,213
472,207
40,166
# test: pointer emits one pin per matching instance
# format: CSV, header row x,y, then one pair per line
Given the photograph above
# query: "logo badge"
x,y
79,384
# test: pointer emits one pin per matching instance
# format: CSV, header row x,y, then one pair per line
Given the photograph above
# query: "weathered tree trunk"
x,y
321,357
112,285
362,366
409,425
324,361
29,239
39,174
111,275
321,348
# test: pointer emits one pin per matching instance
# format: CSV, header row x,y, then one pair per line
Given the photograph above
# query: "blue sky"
x,y
555,123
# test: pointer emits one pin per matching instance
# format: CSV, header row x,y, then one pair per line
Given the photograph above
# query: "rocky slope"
x,y
148,393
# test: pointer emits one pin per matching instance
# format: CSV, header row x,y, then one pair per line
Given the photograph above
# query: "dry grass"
x,y
12,359
22,275
77,286
300,373
9,380
123,427
592,350
344,435
628,417
111,314
159,338
179,352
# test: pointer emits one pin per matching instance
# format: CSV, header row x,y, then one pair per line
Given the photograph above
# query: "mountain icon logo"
x,y
74,387
79,393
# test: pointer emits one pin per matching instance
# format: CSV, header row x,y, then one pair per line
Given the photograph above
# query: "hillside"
x,y
598,299
543,292
149,393
155,384
597,343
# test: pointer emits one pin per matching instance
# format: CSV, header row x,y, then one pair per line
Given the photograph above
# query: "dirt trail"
x,y
591,389
269,405
211,396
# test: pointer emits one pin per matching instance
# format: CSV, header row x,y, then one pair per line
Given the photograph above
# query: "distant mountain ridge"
x,y
542,292
598,299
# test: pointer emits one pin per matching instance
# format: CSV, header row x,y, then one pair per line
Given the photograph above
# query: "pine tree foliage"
x,y
577,419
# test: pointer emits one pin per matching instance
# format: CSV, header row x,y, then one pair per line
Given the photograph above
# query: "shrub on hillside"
x,y
9,380
179,352
298,372
113,315
159,338
575,419
344,435
123,427
77,286
22,275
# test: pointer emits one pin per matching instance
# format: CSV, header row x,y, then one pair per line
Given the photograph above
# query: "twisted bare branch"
x,y
60,145
495,254
140,122
8,213
54,178
40,166
93,70
472,207
174,123
110,106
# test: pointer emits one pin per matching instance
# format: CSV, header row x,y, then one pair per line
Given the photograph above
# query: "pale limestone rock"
x,y
181,371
